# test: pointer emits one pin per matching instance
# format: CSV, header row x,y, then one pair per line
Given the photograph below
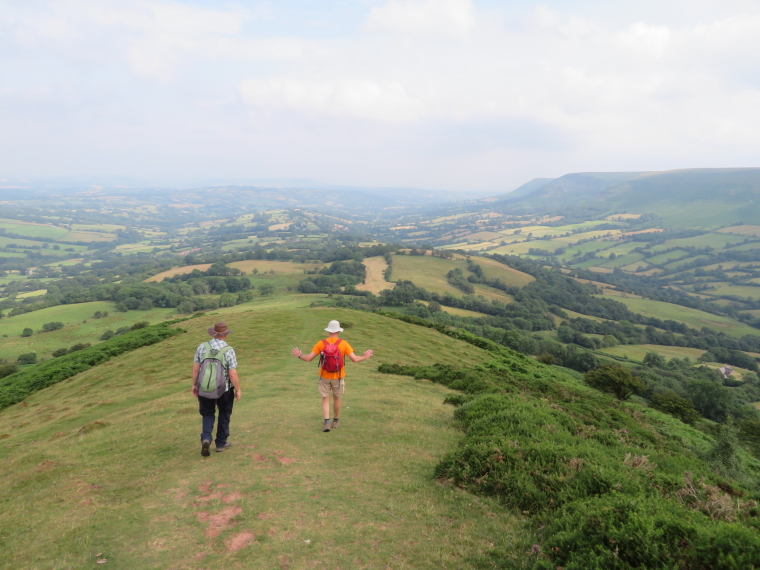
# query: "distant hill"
x,y
344,198
527,188
708,197
694,197
580,185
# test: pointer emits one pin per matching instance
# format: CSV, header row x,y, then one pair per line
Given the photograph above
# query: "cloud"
x,y
452,18
430,92
346,98
646,38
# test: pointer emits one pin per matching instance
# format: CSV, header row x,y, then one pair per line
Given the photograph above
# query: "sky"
x,y
465,95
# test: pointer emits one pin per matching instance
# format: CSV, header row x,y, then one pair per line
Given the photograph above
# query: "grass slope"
x,y
74,331
692,317
430,273
108,462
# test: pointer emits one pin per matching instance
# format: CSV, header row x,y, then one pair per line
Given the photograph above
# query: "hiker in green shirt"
x,y
216,385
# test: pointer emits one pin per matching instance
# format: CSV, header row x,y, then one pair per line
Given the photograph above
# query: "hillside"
x,y
577,186
110,459
709,197
691,198
430,273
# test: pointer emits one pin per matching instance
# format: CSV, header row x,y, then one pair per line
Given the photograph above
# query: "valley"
x,y
604,318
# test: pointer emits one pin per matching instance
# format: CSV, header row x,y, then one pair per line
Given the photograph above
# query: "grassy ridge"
x,y
110,461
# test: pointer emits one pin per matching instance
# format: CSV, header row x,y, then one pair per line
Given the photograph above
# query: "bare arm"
x,y
307,358
196,369
236,383
364,356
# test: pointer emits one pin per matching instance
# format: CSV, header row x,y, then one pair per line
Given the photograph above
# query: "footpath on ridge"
x,y
106,466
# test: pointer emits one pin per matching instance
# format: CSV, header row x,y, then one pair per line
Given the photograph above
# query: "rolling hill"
x,y
709,197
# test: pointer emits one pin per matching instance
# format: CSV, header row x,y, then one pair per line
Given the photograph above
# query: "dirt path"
x,y
375,281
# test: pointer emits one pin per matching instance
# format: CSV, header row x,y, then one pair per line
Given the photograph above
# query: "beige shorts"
x,y
334,387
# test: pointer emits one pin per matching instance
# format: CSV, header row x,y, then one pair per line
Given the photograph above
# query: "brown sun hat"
x,y
219,329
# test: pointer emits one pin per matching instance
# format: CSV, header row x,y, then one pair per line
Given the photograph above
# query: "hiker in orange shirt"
x,y
332,371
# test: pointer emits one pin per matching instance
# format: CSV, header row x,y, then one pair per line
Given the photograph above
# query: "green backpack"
x,y
212,382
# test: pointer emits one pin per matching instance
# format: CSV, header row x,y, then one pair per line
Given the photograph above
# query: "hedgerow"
x,y
16,387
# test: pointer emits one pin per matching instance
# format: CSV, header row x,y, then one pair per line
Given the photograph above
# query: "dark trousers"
x,y
208,408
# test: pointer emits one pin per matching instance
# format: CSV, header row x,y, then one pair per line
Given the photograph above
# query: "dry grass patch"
x,y
375,281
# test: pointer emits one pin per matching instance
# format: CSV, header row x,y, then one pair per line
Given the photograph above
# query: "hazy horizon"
x,y
460,95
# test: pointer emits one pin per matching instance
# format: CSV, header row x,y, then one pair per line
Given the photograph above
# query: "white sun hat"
x,y
333,327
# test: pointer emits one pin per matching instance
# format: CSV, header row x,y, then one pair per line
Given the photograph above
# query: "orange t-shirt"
x,y
344,349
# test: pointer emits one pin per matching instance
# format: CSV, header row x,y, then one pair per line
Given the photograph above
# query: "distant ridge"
x,y
527,188
706,197
580,185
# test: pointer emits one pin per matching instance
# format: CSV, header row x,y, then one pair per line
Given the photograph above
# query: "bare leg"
x,y
336,406
326,407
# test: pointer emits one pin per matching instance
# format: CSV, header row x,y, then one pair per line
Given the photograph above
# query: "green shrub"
x,y
107,335
78,346
546,358
27,358
654,360
673,404
617,532
614,379
54,326
6,369
27,332
60,352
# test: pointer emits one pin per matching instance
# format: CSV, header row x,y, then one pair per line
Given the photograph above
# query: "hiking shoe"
x,y
335,424
326,427
225,447
205,444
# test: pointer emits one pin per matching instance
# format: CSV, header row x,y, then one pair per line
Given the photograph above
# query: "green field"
x,y
737,290
691,317
75,331
33,230
136,492
430,273
637,352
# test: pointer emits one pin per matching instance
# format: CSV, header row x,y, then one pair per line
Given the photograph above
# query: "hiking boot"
x,y
225,447
205,444
326,426
335,423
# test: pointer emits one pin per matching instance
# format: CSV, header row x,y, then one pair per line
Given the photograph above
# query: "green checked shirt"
x,y
230,359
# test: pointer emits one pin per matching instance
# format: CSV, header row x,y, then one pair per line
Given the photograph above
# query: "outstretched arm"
x,y
308,358
365,356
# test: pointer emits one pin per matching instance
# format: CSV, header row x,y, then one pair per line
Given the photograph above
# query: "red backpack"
x,y
331,359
